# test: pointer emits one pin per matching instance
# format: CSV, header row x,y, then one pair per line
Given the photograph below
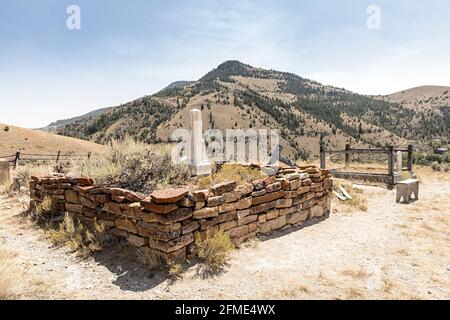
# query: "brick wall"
x,y
168,220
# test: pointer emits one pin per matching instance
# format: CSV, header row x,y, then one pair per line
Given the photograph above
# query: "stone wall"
x,y
168,220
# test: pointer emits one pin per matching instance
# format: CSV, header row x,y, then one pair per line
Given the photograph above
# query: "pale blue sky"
x,y
127,49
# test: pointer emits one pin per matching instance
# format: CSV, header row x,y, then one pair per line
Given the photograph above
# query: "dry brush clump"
x,y
213,252
82,239
358,200
135,166
229,172
10,277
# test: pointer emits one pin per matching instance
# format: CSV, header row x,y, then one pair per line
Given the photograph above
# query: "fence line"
x,y
35,157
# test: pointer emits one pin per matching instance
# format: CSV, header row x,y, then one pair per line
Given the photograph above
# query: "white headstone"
x,y
199,163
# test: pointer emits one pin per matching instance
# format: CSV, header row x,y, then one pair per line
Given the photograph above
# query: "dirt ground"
x,y
392,251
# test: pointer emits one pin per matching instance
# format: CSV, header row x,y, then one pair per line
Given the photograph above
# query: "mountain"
x,y
307,113
59,123
13,139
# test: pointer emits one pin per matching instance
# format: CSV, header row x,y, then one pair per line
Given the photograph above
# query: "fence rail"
x,y
388,178
18,158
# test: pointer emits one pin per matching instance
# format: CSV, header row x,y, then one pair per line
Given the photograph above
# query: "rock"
x,y
200,195
132,210
244,203
199,205
71,196
127,225
268,197
100,198
118,199
224,217
172,245
158,208
245,189
147,230
259,193
237,232
316,211
88,202
129,195
136,240
206,213
292,176
247,219
228,207
272,214
168,196
243,213
228,225
283,203
231,196
303,190
265,227
262,207
258,184
278,222
297,217
221,188
75,208
112,207
273,187
262,218
306,182
175,216
186,202
295,184
215,201
190,227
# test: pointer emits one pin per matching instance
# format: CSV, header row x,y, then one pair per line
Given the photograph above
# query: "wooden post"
x,y
347,155
391,167
322,157
89,155
57,157
410,157
16,160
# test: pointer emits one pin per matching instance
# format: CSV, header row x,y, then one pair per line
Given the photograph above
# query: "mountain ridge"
x,y
237,95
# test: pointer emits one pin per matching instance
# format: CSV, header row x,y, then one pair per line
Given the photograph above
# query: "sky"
x,y
127,49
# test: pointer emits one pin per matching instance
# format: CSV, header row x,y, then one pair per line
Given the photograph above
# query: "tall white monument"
x,y
198,161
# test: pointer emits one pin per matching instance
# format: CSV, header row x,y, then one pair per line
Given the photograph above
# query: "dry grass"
x,y
11,278
356,273
84,240
213,252
230,172
358,200
135,166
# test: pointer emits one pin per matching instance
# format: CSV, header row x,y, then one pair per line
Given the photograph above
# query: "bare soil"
x,y
392,251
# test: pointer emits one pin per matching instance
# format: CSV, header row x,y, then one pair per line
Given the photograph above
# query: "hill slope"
x,y
15,139
235,95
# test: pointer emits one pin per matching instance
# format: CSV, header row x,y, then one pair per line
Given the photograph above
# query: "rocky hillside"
x,y
235,95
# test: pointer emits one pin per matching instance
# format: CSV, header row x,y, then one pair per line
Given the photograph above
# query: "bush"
x,y
84,240
230,172
135,166
6,129
213,252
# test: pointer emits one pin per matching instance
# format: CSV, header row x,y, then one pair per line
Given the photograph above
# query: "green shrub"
x,y
213,252
6,129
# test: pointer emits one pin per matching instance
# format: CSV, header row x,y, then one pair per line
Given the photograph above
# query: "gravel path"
x,y
391,251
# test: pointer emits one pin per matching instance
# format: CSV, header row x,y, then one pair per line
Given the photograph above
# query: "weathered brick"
x,y
245,189
159,208
206,213
168,196
112,207
190,227
263,207
232,196
228,225
243,213
247,220
268,197
228,207
172,245
237,231
199,205
200,195
88,202
297,217
283,203
265,227
118,199
273,187
272,214
136,240
259,193
223,187
128,225
169,218
186,202
278,222
215,201
262,218
244,203
132,210
295,184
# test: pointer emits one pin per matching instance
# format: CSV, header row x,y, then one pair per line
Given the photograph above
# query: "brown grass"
x,y
358,200
229,172
10,276
213,252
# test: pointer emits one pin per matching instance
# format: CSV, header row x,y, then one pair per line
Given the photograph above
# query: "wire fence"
x,y
22,158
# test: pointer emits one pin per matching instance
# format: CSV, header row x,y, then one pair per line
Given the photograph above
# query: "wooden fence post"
x,y
16,160
322,157
89,155
410,157
391,167
57,157
347,155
